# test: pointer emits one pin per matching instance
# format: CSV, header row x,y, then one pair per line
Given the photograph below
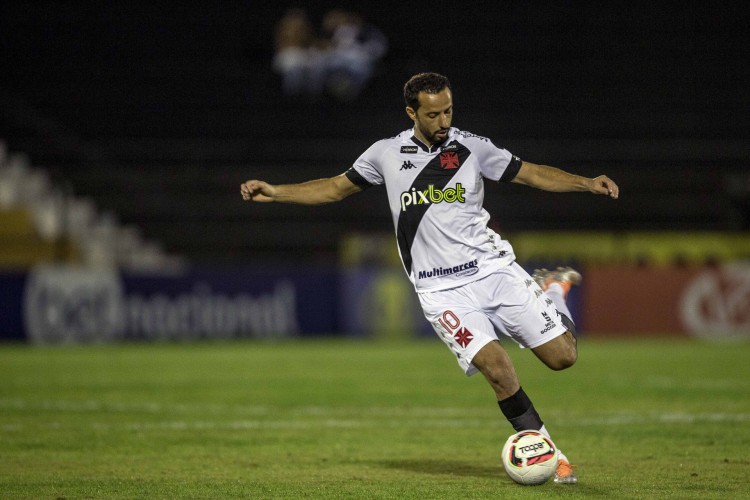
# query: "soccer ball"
x,y
530,457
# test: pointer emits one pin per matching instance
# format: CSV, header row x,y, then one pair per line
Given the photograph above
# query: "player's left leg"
x,y
560,352
557,285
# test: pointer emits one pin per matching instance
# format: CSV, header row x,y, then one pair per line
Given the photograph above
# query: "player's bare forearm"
x,y
553,179
314,192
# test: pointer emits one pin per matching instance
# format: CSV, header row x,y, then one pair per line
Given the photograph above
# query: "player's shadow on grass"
x,y
442,467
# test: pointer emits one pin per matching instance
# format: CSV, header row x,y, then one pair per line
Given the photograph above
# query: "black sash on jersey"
x,y
438,172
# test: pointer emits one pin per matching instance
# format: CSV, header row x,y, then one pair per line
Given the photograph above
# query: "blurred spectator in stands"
x,y
341,62
297,58
354,47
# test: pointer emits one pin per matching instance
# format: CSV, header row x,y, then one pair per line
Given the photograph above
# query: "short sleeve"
x,y
357,179
511,171
496,163
366,168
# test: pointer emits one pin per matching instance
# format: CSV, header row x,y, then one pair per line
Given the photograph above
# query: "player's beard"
x,y
433,138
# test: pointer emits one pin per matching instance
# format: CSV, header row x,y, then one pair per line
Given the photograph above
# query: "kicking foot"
x,y
563,276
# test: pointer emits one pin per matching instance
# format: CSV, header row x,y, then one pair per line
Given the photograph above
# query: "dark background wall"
x,y
160,109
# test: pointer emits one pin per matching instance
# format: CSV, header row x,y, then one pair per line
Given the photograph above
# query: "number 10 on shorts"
x,y
450,323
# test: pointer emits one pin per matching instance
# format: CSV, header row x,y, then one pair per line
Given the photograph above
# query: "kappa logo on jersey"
x,y
407,165
409,149
432,195
449,160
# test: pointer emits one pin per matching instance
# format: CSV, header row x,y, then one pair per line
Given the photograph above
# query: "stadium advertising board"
x,y
711,302
53,304
379,301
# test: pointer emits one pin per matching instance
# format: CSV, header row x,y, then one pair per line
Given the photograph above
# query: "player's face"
x,y
433,118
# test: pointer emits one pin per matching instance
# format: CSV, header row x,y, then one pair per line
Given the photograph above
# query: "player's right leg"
x,y
493,362
496,366
458,318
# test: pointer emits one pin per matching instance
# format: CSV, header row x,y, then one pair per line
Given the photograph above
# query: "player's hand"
x,y
605,185
257,191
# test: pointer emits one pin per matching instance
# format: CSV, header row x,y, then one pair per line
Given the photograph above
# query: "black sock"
x,y
520,412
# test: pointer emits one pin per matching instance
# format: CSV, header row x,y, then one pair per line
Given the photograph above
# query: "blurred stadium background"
x,y
127,128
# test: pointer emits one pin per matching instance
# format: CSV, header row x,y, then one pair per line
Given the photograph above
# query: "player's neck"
x,y
426,144
418,136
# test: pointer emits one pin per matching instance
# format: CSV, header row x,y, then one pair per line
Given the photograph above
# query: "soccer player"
x,y
469,285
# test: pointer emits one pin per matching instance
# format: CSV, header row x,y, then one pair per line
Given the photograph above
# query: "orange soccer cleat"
x,y
564,473
563,276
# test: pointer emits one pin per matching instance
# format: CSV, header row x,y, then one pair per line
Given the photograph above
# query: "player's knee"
x,y
565,357
563,362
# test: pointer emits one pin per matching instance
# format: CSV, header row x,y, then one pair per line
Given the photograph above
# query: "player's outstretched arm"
x,y
553,179
306,193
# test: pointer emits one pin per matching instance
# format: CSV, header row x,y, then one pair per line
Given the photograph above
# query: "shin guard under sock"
x,y
520,412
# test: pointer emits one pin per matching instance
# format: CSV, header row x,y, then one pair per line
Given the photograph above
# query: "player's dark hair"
x,y
429,83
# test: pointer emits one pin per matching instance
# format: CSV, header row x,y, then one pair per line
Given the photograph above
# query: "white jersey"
x,y
435,195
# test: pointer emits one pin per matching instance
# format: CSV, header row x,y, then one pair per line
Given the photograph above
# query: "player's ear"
x,y
412,114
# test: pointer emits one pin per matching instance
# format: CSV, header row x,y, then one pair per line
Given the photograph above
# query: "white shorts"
x,y
507,302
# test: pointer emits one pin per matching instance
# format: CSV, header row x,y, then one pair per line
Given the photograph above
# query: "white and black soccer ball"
x,y
530,457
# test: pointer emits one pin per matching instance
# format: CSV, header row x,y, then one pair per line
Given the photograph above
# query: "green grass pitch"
x,y
364,419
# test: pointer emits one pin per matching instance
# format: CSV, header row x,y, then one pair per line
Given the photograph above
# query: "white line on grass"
x,y
664,418
313,417
223,409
